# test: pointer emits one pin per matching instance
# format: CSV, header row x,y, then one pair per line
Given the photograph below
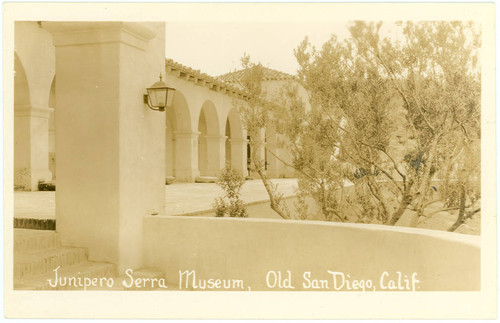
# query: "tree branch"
x,y
403,176
289,165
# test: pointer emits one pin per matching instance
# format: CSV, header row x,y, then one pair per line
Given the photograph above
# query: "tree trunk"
x,y
405,201
276,206
375,191
407,198
461,212
426,179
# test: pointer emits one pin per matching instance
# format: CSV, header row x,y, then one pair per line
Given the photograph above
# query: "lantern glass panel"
x,y
157,97
170,97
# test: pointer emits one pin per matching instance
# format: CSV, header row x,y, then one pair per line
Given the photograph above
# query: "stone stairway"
x,y
37,253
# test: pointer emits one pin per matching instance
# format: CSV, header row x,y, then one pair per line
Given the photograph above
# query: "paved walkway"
x,y
180,198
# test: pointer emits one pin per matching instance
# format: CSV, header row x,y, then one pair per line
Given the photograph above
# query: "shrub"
x,y
220,207
231,182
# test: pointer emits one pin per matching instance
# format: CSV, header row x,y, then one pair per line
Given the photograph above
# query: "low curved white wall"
x,y
249,249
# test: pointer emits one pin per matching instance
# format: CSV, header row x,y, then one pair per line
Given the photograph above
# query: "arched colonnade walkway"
x,y
204,133
107,147
203,129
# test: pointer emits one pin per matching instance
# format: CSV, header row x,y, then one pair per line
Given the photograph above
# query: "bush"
x,y
220,207
231,182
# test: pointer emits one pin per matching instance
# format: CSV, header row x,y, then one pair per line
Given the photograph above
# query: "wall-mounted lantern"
x,y
159,96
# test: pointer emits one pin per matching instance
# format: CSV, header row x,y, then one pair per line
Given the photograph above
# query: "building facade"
x,y
204,131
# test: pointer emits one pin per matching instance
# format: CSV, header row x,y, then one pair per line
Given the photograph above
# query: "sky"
x,y
216,48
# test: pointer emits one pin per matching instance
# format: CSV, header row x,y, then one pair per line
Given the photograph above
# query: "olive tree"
x,y
255,113
385,115
395,120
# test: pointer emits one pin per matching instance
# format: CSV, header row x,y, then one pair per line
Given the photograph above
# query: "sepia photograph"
x,y
197,148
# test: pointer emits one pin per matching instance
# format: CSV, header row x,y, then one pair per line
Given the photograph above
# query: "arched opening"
x,y
202,144
236,149
22,151
169,144
209,141
31,124
21,88
178,149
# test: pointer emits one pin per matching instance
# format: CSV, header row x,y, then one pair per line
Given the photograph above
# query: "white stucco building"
x,y
80,116
203,129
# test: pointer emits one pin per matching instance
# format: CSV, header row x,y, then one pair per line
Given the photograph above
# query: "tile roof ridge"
x,y
196,75
272,74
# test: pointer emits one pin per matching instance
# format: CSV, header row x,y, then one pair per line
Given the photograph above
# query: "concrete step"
x,y
38,253
46,260
26,240
72,278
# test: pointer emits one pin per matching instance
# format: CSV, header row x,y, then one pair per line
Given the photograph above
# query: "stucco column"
x,y
239,155
52,145
216,146
186,156
31,146
202,155
110,145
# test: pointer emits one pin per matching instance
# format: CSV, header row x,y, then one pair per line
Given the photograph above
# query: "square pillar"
x,y
239,155
31,146
110,145
186,156
216,146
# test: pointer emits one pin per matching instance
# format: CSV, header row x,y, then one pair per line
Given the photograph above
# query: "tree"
x,y
255,114
465,192
386,116
434,71
349,129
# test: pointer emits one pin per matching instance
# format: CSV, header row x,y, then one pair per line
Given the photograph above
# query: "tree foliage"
x,y
256,115
394,125
390,117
